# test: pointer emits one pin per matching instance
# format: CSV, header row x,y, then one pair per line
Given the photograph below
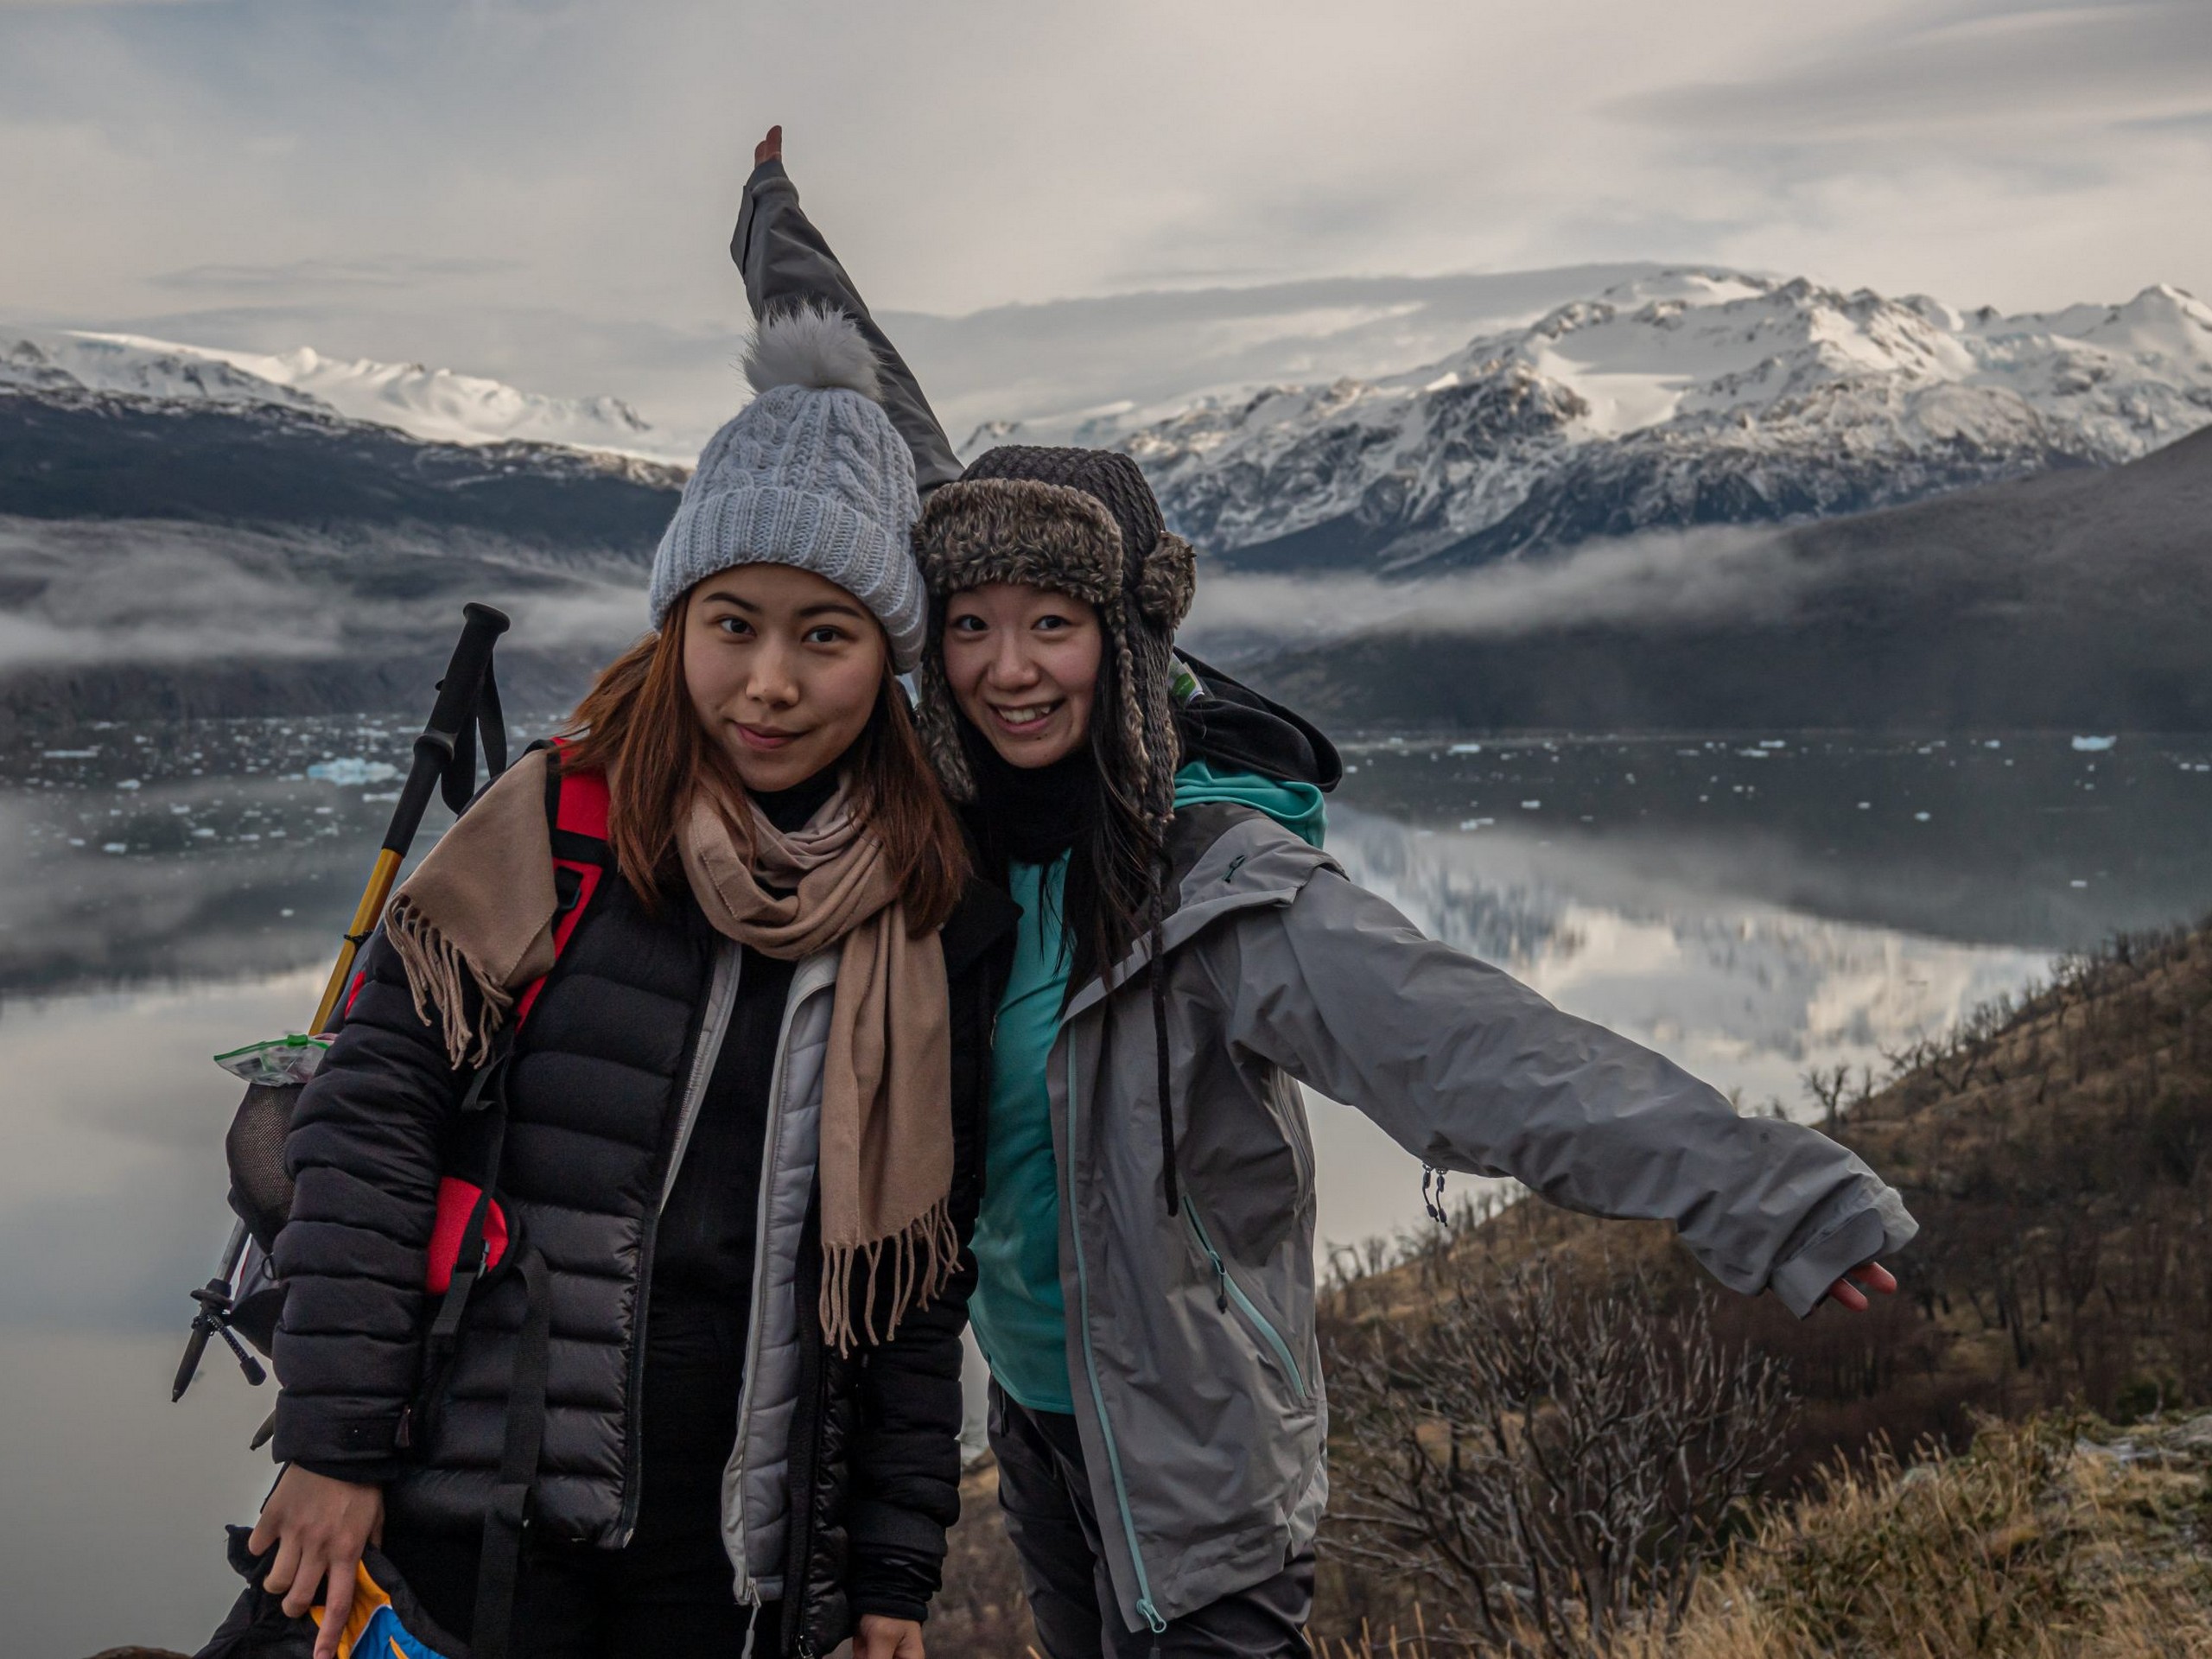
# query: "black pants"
x,y
670,1594
1045,1495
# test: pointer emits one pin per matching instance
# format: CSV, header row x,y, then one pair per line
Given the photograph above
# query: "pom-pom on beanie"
x,y
811,474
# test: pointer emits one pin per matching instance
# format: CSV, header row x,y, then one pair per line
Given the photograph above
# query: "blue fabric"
x,y
1297,807
1017,1310
1020,1317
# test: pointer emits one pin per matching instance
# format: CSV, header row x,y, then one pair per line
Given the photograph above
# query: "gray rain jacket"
x,y
1191,1336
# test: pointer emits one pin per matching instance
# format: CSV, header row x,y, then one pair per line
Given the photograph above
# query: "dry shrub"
x,y
2023,1546
1554,1468
2035,1544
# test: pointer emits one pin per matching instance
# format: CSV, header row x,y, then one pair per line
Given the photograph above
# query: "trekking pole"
x,y
446,747
445,760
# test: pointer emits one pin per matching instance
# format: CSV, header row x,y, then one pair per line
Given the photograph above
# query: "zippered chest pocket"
x,y
1230,1296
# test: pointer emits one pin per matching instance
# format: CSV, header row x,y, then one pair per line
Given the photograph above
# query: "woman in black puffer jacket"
x,y
742,1152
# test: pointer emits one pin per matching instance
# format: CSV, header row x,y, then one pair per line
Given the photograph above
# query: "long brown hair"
x,y
637,725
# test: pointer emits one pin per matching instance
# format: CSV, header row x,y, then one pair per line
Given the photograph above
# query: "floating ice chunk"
x,y
1531,806
1772,743
351,770
2092,745
1464,748
203,834
2077,884
1865,806
1921,817
1476,823
114,847
130,783
71,754
1993,743
393,795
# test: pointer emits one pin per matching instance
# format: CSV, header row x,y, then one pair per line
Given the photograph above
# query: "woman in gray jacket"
x,y
1187,954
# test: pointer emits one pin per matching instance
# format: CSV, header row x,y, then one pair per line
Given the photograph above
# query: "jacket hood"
x,y
1237,729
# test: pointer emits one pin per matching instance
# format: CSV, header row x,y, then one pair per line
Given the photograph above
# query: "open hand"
x,y
319,1527
1874,1275
770,148
887,1638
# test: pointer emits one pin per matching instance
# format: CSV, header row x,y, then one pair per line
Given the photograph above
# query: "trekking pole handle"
x,y
455,707
451,717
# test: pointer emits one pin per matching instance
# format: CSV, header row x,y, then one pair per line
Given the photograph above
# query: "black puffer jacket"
x,y
598,1074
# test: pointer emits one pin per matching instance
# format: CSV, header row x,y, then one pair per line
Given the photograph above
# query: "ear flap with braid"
x,y
1168,582
938,720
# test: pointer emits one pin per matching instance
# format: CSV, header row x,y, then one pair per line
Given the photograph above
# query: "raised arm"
x,y
1470,1070
785,261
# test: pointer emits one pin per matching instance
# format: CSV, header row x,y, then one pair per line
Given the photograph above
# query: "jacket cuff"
x,y
895,1584
767,176
373,1473
328,1438
1866,1233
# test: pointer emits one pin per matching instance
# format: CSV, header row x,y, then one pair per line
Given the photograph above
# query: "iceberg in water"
x,y
2092,745
348,770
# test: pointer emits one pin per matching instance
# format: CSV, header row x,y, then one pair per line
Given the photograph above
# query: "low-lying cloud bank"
x,y
1698,575
151,594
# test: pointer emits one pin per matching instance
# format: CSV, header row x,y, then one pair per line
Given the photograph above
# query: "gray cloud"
x,y
543,191
301,276
2014,66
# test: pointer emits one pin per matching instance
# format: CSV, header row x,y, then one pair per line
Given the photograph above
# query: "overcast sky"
x,y
542,189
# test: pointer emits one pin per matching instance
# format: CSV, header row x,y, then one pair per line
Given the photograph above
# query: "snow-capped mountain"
x,y
1690,396
435,405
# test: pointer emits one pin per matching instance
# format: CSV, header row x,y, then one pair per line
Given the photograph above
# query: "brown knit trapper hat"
x,y
1079,522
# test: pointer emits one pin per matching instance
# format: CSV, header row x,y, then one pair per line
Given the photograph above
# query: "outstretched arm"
x,y
785,261
1470,1070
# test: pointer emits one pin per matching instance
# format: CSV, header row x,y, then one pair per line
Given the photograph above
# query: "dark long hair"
x,y
637,725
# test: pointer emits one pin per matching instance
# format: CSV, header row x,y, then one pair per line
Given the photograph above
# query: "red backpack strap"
x,y
575,818
471,1225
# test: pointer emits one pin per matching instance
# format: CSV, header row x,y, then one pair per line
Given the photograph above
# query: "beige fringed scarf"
x,y
479,912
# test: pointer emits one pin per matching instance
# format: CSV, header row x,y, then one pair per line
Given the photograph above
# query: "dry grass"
x,y
2037,1544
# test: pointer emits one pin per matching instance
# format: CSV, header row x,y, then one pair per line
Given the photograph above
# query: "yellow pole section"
x,y
366,915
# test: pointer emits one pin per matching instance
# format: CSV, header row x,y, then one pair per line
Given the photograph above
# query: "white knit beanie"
x,y
811,474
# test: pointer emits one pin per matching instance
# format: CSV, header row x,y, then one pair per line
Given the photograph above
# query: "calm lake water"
x,y
1753,907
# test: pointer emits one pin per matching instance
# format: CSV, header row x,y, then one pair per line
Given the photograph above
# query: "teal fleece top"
x,y
1020,1317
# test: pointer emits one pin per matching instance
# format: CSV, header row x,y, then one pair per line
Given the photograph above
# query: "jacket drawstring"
x,y
1158,983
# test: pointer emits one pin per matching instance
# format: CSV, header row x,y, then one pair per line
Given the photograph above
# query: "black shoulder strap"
x,y
509,1515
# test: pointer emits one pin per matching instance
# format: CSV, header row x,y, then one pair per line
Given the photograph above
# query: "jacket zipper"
x,y
714,1024
748,1588
1227,1290
1091,1365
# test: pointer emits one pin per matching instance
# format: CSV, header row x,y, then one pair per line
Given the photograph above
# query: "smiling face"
x,y
783,669
1023,665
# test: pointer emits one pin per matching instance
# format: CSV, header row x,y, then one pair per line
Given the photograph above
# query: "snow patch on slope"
x,y
438,405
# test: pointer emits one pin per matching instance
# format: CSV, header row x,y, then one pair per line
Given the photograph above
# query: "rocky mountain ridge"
x,y
1694,396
